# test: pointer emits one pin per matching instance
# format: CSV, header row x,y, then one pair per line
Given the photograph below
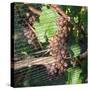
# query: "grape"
x,y
58,45
29,33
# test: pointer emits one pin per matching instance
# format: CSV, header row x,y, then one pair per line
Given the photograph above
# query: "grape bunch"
x,y
58,47
29,31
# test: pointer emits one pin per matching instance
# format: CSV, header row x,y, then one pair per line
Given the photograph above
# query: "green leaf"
x,y
76,49
76,19
47,24
73,45
74,76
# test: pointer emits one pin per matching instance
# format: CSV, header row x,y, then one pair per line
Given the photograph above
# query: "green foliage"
x,y
74,76
46,26
75,49
84,17
73,45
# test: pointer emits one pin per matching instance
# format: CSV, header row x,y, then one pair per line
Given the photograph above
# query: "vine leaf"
x,y
46,25
74,75
76,49
73,45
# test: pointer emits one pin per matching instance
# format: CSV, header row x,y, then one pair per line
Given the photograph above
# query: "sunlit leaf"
x,y
74,76
76,49
47,24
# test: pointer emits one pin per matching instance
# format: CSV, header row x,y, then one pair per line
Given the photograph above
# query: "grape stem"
x,y
34,10
83,55
59,10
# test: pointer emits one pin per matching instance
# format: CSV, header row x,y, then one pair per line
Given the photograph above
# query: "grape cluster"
x,y
58,47
29,31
